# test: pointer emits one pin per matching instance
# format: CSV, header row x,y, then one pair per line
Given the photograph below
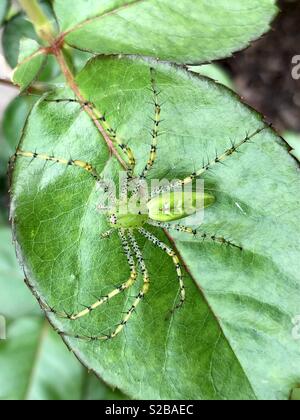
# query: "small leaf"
x,y
233,338
15,29
31,60
188,31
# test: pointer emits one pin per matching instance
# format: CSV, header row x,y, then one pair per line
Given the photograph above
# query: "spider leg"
x,y
138,298
205,236
141,294
154,134
234,149
171,253
117,142
218,239
155,130
169,226
110,131
62,161
118,290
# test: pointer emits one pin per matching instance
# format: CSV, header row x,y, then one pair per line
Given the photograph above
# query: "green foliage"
x,y
19,32
233,338
185,32
163,30
15,29
31,61
205,349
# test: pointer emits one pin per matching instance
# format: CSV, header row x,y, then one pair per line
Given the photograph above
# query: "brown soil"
x,y
263,72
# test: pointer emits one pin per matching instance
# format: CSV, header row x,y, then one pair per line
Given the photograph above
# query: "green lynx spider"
x,y
128,225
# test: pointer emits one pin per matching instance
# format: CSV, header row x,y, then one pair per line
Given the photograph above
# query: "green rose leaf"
x,y
233,338
187,31
16,28
31,60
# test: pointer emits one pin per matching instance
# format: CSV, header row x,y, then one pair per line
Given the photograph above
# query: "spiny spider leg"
x,y
154,133
117,142
117,291
185,229
67,162
138,299
206,167
169,226
144,290
171,253
110,131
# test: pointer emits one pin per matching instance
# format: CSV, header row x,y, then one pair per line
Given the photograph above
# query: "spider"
x,y
159,211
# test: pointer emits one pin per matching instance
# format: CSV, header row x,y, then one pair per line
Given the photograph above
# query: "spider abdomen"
x,y
172,206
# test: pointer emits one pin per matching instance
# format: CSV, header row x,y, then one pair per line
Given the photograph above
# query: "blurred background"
x,y
34,363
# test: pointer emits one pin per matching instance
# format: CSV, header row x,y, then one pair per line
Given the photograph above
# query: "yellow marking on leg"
x,y
169,226
205,236
105,299
219,159
175,259
142,293
116,140
138,298
122,288
62,161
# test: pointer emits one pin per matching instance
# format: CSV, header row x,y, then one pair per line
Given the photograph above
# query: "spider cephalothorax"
x,y
166,204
